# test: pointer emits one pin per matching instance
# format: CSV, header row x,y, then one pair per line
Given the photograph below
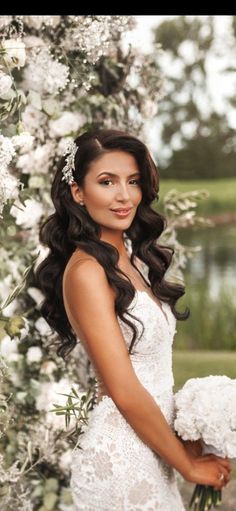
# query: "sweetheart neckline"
x,y
137,291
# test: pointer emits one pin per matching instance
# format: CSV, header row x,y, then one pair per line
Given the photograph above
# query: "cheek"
x,y
137,196
98,197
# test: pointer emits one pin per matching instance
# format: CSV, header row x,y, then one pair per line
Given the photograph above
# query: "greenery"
x,y
198,363
222,193
212,322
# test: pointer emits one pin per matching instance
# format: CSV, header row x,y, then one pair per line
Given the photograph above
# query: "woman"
x,y
97,292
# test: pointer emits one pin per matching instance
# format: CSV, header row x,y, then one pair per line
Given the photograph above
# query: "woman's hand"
x,y
209,470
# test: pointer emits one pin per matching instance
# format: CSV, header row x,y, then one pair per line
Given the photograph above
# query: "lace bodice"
x,y
151,355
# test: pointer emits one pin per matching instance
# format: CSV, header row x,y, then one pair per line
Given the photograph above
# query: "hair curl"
x,y
71,227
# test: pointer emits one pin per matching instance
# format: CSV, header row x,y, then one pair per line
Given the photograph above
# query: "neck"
x,y
117,240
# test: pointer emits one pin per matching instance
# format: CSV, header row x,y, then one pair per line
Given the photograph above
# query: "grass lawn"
x,y
222,192
191,364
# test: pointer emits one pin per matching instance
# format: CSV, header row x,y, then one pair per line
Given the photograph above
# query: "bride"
x,y
118,305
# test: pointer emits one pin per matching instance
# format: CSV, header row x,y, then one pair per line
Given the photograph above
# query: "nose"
x,y
123,193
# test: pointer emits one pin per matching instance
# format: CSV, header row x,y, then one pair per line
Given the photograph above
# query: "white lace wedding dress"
x,y
115,470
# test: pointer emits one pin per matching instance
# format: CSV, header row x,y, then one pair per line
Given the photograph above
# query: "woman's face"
x,y
112,182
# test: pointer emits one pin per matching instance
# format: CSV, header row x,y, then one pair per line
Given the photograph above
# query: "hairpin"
x,y
68,168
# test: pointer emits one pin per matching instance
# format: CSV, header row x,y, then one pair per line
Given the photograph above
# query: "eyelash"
x,y
107,180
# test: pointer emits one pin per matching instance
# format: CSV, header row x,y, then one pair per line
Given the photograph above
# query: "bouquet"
x,y
205,409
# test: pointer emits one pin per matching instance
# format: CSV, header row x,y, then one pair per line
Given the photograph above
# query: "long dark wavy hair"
x,y
71,227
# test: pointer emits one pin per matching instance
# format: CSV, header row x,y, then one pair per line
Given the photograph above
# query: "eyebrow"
x,y
116,175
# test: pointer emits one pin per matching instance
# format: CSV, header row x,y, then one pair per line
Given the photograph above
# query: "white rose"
x,y
67,123
34,354
15,53
5,83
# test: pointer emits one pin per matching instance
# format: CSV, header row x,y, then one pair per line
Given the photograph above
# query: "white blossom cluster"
x,y
205,409
45,74
37,21
93,34
8,183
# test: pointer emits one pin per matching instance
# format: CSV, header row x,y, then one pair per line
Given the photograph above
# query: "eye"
x,y
136,181
105,181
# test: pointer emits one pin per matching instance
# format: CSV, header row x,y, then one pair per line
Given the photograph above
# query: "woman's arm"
x,y
89,302
194,448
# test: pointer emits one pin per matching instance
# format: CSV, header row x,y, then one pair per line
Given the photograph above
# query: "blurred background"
x,y
193,138
171,81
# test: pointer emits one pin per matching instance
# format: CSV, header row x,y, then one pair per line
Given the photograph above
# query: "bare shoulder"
x,y
77,258
85,280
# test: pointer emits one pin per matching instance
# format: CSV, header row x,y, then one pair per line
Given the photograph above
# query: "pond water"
x,y
215,263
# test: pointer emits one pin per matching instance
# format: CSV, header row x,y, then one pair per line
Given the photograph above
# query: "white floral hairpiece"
x,y
68,168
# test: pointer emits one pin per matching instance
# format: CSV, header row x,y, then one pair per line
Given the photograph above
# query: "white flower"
x,y
48,367
23,142
14,52
5,83
36,294
42,326
5,20
29,215
34,21
37,21
8,348
44,74
35,120
205,408
32,41
7,151
9,187
67,123
149,108
8,183
34,354
94,36
37,161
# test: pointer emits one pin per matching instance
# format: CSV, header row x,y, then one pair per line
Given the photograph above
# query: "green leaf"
x,y
20,286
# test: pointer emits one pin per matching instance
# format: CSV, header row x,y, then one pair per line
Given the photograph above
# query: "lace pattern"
x,y
114,469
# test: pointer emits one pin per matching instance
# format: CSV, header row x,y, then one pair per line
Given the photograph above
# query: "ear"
x,y
76,193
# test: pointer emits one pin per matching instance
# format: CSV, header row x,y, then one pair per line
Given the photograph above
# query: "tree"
x,y
197,140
